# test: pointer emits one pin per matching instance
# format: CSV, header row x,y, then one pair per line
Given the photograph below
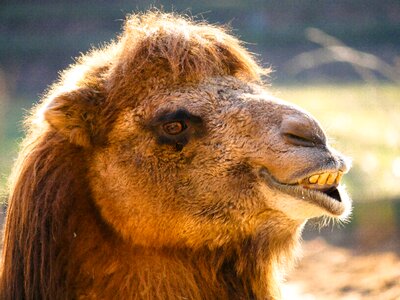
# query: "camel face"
x,y
220,159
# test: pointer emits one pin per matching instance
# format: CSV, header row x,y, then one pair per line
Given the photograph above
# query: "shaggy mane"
x,y
44,188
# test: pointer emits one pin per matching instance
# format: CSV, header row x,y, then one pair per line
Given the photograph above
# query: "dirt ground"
x,y
331,273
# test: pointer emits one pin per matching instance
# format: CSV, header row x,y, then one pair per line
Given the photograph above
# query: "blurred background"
x,y
340,60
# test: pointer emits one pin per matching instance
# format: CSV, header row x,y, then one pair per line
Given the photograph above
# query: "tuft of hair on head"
x,y
155,50
184,49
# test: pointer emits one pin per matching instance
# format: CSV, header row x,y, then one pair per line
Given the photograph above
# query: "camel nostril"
x,y
300,131
298,140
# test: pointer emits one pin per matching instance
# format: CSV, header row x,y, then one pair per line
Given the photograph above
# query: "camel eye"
x,y
177,128
174,128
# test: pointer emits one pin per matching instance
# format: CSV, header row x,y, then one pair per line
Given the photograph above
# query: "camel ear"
x,y
72,114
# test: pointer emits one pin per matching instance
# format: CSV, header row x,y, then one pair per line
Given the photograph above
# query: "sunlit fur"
x,y
99,210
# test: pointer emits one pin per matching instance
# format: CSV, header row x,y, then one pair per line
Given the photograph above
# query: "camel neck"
x,y
246,270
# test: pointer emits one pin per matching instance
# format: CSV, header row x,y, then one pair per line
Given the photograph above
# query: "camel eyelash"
x,y
177,128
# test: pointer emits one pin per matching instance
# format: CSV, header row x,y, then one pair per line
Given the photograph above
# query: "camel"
x,y
159,166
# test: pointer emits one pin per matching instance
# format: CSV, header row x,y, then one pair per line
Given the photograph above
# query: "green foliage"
x,y
11,131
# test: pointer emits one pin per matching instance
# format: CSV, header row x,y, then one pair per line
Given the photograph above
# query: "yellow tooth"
x,y
331,178
313,179
322,178
339,176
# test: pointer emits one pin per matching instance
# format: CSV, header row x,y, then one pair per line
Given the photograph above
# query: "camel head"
x,y
160,167
186,146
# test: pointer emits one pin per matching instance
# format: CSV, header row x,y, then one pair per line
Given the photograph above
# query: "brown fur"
x,y
99,210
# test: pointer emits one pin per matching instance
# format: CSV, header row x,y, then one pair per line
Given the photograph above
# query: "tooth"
x,y
339,176
322,178
331,178
313,179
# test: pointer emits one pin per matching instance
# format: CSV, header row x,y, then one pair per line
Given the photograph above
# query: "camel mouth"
x,y
322,189
324,182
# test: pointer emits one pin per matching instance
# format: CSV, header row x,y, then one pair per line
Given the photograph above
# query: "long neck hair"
x,y
43,191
